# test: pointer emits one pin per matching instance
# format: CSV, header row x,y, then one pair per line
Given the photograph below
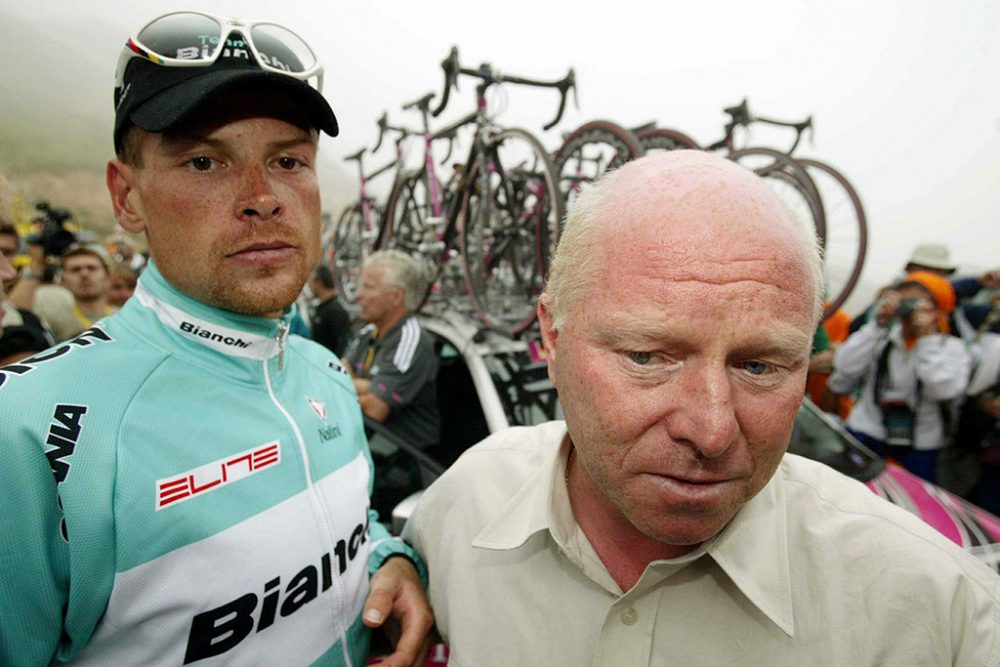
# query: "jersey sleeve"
x,y
35,576
385,545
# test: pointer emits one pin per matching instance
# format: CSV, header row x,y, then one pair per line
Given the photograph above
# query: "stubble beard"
x,y
264,294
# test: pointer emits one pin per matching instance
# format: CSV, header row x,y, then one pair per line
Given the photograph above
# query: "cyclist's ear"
x,y
125,199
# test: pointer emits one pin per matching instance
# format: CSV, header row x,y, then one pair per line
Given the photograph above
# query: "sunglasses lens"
x,y
185,36
282,49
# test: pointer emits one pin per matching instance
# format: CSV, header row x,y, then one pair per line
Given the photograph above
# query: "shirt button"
x,y
630,616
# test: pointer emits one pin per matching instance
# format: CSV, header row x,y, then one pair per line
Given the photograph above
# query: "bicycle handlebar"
x,y
489,76
383,125
423,103
355,156
565,85
450,66
740,116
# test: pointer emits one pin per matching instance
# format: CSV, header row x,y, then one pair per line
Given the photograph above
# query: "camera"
x,y
906,307
53,237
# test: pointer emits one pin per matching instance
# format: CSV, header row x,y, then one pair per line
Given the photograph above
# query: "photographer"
x,y
81,270
911,371
45,246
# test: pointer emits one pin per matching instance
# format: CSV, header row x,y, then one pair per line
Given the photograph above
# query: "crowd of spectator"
x,y
916,375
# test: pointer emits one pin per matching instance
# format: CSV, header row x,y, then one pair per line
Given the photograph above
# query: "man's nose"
x,y
706,417
258,200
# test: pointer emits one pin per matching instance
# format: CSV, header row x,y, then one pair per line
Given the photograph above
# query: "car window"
x,y
818,438
522,381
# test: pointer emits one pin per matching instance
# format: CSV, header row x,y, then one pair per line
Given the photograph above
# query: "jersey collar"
x,y
232,334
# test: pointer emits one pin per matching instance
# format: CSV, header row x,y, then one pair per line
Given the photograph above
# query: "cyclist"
x,y
183,481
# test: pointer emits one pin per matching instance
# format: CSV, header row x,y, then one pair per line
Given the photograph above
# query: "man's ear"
x,y
549,336
125,198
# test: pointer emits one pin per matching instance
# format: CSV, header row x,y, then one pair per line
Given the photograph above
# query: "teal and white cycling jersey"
x,y
185,485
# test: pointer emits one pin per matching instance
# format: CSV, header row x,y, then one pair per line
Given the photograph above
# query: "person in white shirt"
x,y
663,522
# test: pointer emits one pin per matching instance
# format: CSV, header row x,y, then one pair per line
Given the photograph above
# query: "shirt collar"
x,y
752,549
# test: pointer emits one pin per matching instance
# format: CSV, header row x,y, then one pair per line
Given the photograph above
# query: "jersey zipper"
x,y
283,330
326,530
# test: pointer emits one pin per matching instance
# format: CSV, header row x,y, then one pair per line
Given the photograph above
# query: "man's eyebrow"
x,y
303,138
625,330
177,143
180,142
785,341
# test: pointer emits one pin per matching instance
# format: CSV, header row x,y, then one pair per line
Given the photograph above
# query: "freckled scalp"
x,y
686,215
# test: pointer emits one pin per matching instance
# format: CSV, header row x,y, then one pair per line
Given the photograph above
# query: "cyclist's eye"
x,y
201,163
288,163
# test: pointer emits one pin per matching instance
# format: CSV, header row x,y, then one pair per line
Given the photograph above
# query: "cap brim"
x,y
931,264
177,104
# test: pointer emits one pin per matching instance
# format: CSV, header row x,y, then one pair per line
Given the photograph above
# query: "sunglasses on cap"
x,y
195,39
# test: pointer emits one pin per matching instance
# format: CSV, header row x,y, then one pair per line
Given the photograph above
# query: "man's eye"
x,y
201,163
756,367
288,163
640,358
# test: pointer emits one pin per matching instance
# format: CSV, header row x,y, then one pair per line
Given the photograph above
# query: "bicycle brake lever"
x,y
383,123
572,87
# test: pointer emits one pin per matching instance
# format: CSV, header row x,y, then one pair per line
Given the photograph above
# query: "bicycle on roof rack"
x,y
810,188
590,150
419,199
359,229
501,215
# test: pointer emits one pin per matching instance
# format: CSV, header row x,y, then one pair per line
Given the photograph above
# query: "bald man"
x,y
663,522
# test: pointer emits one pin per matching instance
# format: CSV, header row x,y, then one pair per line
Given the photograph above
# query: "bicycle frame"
x,y
364,199
434,185
436,201
449,209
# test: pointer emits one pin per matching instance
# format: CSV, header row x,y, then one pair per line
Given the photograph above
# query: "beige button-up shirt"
x,y
815,570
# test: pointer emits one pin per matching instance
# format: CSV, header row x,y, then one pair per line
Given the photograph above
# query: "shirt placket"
x,y
627,633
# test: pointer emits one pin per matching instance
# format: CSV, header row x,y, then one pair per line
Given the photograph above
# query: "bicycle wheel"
x,y
790,182
406,214
589,151
346,250
664,139
410,227
846,232
510,210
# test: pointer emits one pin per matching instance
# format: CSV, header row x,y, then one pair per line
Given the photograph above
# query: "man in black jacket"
x,y
330,324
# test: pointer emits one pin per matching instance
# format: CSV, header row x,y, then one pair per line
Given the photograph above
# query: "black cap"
x,y
157,98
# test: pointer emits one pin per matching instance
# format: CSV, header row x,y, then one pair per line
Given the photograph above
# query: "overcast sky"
x,y
904,92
